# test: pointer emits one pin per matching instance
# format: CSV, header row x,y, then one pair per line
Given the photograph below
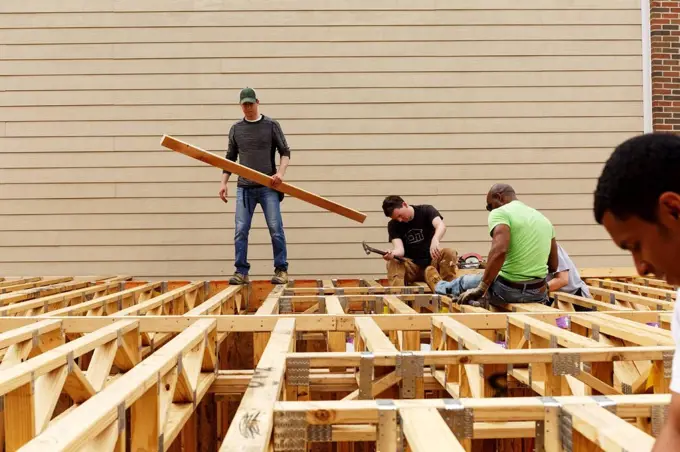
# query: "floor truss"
x,y
114,363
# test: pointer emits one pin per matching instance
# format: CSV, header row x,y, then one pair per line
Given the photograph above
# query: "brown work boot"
x,y
238,279
432,277
280,277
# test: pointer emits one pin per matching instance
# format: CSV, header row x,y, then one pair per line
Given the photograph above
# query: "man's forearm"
x,y
558,282
439,232
284,165
225,178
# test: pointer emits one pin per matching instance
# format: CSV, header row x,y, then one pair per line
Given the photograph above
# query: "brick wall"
x,y
665,38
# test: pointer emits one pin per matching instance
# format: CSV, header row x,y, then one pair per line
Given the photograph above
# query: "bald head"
x,y
499,195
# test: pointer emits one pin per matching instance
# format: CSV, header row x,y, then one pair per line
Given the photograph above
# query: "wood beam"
x,y
256,176
145,384
426,431
253,422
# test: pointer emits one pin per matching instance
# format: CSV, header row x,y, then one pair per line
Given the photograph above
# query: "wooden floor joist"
x,y
111,363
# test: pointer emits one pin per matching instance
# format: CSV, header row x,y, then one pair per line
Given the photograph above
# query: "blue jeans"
x,y
246,201
498,293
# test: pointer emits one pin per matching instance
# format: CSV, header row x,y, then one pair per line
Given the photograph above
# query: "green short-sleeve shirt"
x,y
530,236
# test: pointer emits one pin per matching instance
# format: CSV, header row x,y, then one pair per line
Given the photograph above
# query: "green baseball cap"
x,y
248,95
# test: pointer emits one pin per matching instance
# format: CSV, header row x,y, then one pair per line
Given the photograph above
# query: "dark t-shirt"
x,y
416,234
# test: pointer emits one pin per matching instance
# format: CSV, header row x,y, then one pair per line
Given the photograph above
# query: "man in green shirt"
x,y
523,251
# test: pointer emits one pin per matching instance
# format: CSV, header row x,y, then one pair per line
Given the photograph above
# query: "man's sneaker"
x,y
280,277
432,277
238,279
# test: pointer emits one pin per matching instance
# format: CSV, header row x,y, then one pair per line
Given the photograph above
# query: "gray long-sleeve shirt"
x,y
255,144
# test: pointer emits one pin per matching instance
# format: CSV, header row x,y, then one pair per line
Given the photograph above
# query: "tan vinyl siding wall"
x,y
433,100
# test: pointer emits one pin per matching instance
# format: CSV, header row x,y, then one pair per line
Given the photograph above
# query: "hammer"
x,y
369,250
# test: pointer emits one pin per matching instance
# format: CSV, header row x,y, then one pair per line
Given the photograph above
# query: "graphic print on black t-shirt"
x,y
416,234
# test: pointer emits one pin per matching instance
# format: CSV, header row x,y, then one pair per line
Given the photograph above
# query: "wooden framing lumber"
x,y
71,381
652,292
43,305
256,176
31,389
161,394
425,431
605,429
254,421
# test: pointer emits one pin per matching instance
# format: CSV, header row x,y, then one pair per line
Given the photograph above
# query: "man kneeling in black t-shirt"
x,y
415,232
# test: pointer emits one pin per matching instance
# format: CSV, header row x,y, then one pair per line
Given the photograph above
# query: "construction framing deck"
x,y
116,363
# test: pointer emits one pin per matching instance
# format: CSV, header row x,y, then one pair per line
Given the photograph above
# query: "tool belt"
x,y
534,284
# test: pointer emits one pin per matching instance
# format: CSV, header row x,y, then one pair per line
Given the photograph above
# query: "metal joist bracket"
x,y
669,297
179,364
566,364
34,339
320,433
626,388
548,402
297,371
566,432
121,417
70,361
553,341
322,305
366,376
587,367
290,430
606,403
409,367
161,442
285,305
595,332
459,418
540,437
388,420
667,364
527,332
659,416
343,303
612,298
339,291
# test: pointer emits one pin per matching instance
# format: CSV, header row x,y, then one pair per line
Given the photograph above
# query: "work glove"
x,y
472,295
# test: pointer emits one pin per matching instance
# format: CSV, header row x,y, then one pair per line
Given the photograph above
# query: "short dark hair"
x,y
639,170
391,203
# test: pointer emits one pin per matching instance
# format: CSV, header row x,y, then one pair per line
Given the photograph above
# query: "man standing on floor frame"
x,y
255,140
638,201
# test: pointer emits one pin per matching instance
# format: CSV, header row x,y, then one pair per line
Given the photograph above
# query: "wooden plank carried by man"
x,y
261,178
